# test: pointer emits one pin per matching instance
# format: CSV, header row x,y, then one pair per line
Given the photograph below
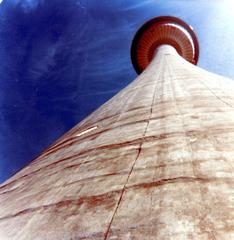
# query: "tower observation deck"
x,y
154,162
160,31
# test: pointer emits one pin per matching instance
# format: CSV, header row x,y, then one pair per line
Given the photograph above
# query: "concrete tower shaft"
x,y
154,162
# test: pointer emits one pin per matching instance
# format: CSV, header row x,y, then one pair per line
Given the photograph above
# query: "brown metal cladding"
x,y
159,165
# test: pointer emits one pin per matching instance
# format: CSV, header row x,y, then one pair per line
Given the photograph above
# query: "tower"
x,y
154,162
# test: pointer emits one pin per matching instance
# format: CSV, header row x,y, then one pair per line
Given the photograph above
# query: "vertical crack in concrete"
x,y
160,94
138,154
213,93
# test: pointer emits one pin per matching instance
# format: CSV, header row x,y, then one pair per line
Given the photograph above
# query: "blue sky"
x,y
62,59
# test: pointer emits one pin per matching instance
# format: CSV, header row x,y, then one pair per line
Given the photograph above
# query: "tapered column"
x,y
154,162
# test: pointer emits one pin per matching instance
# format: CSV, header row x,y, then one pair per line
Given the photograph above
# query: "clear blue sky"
x,y
61,59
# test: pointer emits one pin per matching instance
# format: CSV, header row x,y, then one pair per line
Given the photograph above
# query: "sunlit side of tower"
x,y
154,162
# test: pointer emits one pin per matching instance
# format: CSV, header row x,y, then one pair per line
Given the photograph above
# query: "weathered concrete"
x,y
156,162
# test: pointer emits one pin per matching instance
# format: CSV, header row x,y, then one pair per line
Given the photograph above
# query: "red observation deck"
x,y
163,30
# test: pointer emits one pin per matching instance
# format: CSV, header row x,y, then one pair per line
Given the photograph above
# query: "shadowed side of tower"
x,y
154,162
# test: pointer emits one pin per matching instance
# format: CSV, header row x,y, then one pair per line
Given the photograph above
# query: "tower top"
x,y
163,30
